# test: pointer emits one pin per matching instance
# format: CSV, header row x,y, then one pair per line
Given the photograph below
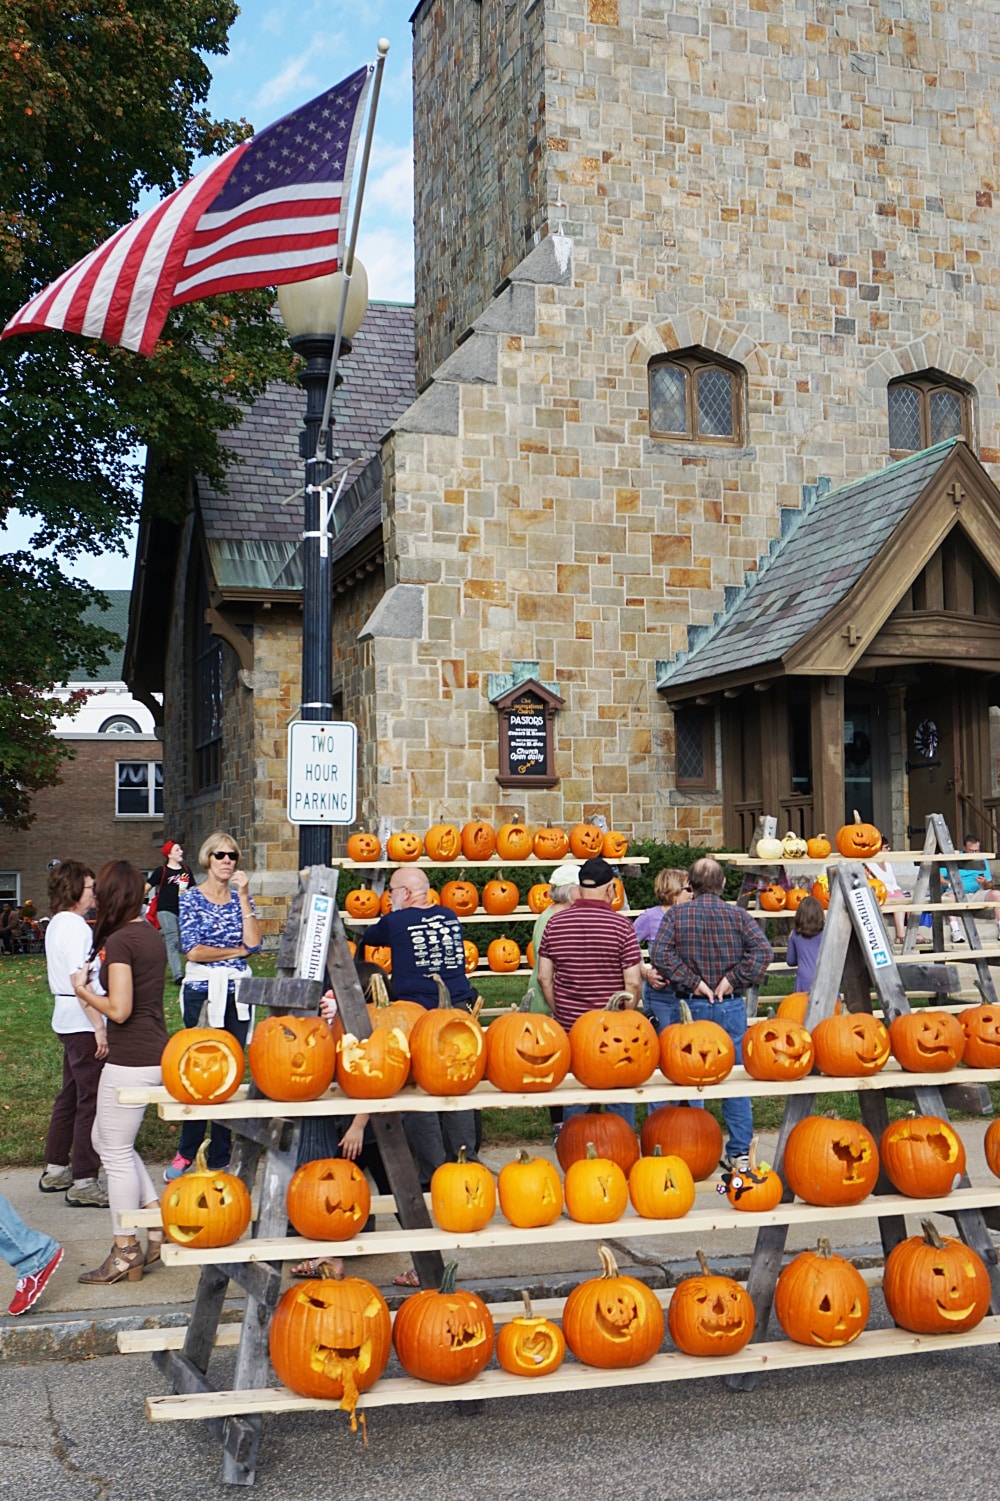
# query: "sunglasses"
x,y
223,855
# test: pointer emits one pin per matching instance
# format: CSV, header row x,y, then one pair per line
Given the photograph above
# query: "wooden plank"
x,y
284,992
494,862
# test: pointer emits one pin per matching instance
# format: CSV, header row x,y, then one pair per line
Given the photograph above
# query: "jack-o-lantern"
x,y
550,844
500,896
363,903
792,847
818,847
362,848
461,897
596,1189
447,1048
585,840
380,954
981,1025
859,841
478,840
444,1336
386,1013
611,1136
531,1193
514,841
923,1156
768,849
820,889
404,846
385,902
851,1043
830,1162
443,841
755,1189
710,1314
617,898
612,1321
696,1052
930,1042
463,1195
772,898
775,1048
935,1285
794,897
793,1007
614,846
292,1057
329,1199
205,1207
373,1067
539,897
879,888
614,1047
821,1299
503,955
530,1345
529,955
331,1339
471,955
661,1188
526,1051
687,1132
991,1146
202,1065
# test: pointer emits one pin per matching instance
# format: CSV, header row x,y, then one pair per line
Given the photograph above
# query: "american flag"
x,y
267,212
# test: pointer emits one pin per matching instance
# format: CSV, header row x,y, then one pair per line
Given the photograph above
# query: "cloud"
x,y
387,254
390,178
296,81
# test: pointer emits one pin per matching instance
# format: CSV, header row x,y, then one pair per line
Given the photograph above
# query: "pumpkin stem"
x,y
823,1247
752,1153
702,1262
656,1150
619,1000
476,1008
857,816
379,994
201,1157
461,1156
528,1311
526,1000
524,1157
591,1152
932,1235
609,1266
448,1278
685,1011
444,994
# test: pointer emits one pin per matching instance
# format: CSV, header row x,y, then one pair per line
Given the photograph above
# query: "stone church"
x,y
691,438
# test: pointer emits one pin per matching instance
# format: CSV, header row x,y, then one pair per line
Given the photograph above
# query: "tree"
x,y
103,100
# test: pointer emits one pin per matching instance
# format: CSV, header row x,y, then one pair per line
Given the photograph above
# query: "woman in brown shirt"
x,y
131,960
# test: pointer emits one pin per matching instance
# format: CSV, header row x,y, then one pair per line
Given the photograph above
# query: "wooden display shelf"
x,y
885,857
519,914
951,907
493,863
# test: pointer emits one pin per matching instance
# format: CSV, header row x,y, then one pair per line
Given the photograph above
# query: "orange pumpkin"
x,y
981,1025
612,1321
526,1051
463,1195
611,1136
447,1048
471,955
529,955
935,1285
772,898
853,1043
830,1162
596,1189
818,847
859,841
550,844
503,956
292,1057
364,902
404,846
923,1156
443,841
880,889
530,1345
539,897
514,841
756,1189
710,1314
794,897
362,848
585,840
331,1338
793,1007
821,891
500,897
776,1048
328,1199
461,897
380,954
385,902
374,1067
696,1052
821,1299
206,1207
202,1065
661,1188
685,1131
443,1336
991,1146
617,898
386,1013
478,840
613,1047
927,1042
531,1193
614,846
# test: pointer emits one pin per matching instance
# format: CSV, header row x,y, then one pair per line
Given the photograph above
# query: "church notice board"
x,y
527,736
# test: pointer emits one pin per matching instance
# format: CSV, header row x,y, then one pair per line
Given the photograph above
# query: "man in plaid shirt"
x,y
708,953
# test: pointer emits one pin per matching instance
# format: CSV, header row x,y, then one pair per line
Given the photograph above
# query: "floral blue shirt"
x,y
216,926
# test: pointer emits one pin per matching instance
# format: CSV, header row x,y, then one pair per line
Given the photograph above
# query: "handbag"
x,y
150,912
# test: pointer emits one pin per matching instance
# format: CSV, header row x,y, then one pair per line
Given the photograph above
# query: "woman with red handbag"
x,y
167,883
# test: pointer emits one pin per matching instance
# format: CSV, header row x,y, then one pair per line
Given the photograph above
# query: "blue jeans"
x,y
731,1014
170,929
26,1250
192,1132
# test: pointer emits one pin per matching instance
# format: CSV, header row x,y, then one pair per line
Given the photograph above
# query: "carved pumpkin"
x,y
514,841
205,1207
530,1345
612,1321
529,955
614,846
768,849
794,897
447,1048
461,897
696,1052
471,955
550,844
503,956
775,1048
331,1339
859,841
500,896
981,1025
613,1047
991,1146
596,1189
585,840
463,1195
661,1188
880,889
923,1156
821,1299
202,1065
818,847
329,1199
531,1193
386,1013
433,897
443,841
611,1136
526,1051
292,1057
617,898
478,840
821,891
687,1132
710,1315
364,902
855,1042
404,846
935,1285
373,1067
362,848
830,1162
755,1189
929,1042
380,954
792,847
444,1336
539,897
772,898
793,1007
385,902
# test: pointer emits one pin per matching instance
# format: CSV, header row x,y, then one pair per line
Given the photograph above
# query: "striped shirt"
x,y
590,946
707,939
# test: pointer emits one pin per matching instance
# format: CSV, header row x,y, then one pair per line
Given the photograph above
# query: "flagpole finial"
x,y
383,45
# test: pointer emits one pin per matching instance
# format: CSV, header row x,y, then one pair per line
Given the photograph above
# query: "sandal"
x,y
406,1279
319,1266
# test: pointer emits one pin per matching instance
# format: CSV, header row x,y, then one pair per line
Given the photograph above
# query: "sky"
x,y
281,54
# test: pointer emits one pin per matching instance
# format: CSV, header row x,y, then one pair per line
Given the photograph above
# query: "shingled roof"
x,y
821,554
114,618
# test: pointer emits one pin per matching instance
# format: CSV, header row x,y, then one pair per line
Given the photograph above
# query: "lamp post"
x,y
310,312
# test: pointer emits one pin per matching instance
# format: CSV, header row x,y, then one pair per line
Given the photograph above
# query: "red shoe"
x,y
30,1288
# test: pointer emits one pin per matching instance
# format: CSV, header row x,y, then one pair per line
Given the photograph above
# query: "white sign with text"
x,y
322,777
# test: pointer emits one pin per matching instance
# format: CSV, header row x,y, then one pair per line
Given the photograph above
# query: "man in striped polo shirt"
x,y
587,953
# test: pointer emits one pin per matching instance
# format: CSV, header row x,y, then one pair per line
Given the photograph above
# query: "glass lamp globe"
x,y
311,307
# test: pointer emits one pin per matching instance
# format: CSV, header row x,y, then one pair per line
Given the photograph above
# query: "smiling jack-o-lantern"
x,y
794,897
404,846
927,1041
772,898
859,841
550,844
471,955
935,1285
614,1047
503,955
526,1051
612,1321
374,1067
531,1193
855,1042
331,1339
530,1345
710,1315
363,847
444,1336
821,1299
774,1048
202,1065
205,1207
363,902
447,1048
586,839
830,1162
696,1052
923,1156
981,1025
463,1195
329,1199
292,1057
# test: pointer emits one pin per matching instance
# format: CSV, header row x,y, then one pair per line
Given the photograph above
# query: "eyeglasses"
x,y
223,855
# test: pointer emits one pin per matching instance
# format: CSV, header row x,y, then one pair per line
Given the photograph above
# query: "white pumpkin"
x,y
768,849
792,847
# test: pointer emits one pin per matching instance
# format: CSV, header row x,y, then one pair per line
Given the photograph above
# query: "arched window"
x,y
696,397
925,409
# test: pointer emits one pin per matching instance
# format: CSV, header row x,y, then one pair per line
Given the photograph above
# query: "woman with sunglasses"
x,y
219,928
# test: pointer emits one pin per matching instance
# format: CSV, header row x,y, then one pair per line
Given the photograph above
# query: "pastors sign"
x,y
322,780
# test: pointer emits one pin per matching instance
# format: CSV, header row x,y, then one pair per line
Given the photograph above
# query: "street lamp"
x,y
310,311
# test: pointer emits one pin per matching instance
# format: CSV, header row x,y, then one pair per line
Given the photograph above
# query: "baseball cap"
x,y
167,846
565,875
596,872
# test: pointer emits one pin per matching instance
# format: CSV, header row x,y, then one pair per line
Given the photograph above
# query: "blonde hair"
x,y
668,885
210,844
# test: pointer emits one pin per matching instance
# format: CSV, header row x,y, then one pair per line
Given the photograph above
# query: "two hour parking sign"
x,y
322,778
